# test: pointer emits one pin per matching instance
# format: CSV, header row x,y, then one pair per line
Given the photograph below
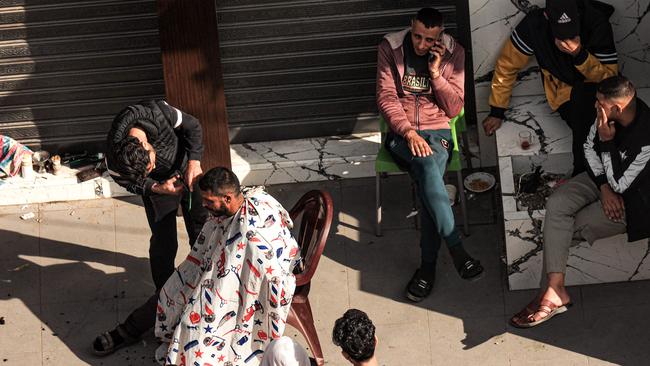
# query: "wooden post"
x,y
191,60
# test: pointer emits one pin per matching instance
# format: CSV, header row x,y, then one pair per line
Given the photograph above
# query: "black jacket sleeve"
x,y
143,189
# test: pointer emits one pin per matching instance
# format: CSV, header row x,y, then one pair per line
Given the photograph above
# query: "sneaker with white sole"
x,y
418,287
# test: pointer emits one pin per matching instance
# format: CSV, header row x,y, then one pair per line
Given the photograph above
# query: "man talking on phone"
x,y
420,87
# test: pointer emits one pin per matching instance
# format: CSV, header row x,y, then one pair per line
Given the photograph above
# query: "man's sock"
x,y
428,270
459,256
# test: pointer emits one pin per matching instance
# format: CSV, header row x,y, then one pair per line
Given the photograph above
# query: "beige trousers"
x,y
574,213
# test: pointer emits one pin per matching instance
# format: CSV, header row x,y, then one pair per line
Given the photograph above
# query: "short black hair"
x,y
355,334
430,17
130,159
219,180
615,87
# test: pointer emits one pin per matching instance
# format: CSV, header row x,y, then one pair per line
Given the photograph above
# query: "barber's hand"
x,y
613,205
171,187
570,46
438,51
491,124
418,146
606,129
192,172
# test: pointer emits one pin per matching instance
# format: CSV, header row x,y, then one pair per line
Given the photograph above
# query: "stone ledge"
x,y
260,163
610,259
551,135
306,160
52,188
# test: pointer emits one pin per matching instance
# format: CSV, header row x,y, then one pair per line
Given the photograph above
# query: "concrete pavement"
x,y
80,266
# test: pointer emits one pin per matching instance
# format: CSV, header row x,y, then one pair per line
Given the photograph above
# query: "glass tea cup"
x,y
525,139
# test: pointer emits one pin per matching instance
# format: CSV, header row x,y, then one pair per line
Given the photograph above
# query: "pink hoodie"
x,y
405,111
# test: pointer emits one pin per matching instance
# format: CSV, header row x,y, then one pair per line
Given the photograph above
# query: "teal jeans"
x,y
437,218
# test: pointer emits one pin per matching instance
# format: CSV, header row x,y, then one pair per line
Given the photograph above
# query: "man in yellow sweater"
x,y
573,43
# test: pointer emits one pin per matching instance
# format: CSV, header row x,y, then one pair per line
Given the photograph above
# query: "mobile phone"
x,y
433,55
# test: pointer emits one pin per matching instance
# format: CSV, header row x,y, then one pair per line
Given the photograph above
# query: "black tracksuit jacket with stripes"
x,y
623,163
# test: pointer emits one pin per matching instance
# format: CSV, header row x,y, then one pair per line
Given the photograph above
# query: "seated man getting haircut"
x,y
232,294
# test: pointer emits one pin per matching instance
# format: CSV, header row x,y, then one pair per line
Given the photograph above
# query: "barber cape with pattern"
x,y
231,295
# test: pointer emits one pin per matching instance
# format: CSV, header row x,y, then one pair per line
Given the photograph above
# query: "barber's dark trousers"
x,y
162,252
580,113
436,217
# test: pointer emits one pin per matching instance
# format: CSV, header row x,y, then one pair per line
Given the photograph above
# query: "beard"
x,y
217,213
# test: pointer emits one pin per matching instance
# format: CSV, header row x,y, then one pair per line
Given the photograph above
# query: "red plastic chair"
x,y
315,212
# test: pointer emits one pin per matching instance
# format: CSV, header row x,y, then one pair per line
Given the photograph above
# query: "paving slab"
x,y
19,237
21,359
21,331
404,344
455,341
20,279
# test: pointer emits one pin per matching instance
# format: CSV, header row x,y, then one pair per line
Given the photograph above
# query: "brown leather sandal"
x,y
524,313
548,309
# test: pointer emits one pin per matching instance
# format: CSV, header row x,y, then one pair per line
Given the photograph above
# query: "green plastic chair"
x,y
384,164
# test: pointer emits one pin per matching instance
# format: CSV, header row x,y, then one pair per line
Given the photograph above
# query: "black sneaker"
x,y
471,270
467,267
418,288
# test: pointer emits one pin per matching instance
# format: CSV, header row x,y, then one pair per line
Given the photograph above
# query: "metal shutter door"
x,y
66,68
307,67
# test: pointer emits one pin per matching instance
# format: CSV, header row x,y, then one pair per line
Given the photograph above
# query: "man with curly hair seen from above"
x,y
355,334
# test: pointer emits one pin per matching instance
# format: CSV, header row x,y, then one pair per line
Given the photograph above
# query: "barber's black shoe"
x,y
418,287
